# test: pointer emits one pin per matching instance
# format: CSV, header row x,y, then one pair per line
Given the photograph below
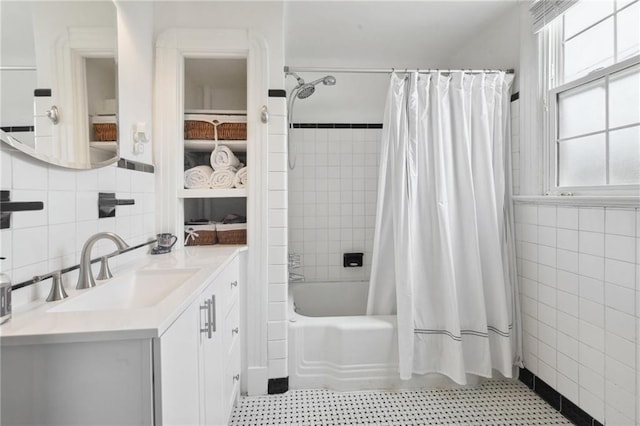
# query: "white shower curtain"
x,y
443,247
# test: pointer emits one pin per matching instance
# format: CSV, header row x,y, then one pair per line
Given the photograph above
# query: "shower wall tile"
x,y
332,200
278,239
515,146
580,297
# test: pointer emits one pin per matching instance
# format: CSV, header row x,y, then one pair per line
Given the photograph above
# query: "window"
x,y
594,97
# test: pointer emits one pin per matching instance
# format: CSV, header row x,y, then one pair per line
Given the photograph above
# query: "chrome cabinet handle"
x,y
207,323
212,322
234,284
235,331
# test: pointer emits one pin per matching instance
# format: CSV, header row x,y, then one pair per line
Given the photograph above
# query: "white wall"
x,y
422,34
332,201
50,239
579,270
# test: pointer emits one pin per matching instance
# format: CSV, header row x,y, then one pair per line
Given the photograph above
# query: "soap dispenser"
x,y
5,297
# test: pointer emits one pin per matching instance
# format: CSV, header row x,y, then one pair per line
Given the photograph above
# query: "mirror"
x,y
58,81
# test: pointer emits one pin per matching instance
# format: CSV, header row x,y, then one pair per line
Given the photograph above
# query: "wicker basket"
x,y
200,235
215,127
235,233
105,132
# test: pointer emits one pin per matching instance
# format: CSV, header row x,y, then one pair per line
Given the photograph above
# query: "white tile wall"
x,y
332,200
515,146
42,241
580,295
278,241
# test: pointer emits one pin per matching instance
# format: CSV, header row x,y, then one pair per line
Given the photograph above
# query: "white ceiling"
x,y
383,33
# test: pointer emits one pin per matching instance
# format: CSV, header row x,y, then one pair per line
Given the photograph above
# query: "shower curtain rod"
x,y
288,69
17,68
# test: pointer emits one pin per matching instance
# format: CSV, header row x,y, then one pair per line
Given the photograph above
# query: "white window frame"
x,y
552,62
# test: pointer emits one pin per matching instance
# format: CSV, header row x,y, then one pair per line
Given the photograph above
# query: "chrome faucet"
x,y
86,280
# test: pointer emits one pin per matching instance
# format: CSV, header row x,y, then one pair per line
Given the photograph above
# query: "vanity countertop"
x,y
35,323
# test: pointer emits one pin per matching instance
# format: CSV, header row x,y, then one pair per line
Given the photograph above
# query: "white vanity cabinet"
x,y
189,375
199,368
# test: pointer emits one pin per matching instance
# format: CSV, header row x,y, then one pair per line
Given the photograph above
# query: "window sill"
x,y
580,200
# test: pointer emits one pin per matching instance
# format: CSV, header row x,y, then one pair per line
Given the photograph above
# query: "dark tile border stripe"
x,y
277,93
276,386
123,163
515,96
337,125
17,129
567,408
42,92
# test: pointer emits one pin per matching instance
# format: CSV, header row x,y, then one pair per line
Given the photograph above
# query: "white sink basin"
x,y
139,289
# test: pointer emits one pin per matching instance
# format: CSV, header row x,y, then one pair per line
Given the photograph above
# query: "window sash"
x,y
552,132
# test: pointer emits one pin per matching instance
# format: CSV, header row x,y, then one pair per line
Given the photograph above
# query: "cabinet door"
x,y
177,385
211,360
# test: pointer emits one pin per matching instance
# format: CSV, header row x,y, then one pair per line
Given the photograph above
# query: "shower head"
x,y
306,89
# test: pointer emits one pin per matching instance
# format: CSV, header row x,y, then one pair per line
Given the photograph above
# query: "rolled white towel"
x,y
221,179
240,179
223,159
197,177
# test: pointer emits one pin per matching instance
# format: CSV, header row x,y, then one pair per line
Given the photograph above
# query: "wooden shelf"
x,y
198,145
212,193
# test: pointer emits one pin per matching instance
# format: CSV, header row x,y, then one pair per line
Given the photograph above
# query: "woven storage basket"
x,y
105,132
235,233
215,127
206,235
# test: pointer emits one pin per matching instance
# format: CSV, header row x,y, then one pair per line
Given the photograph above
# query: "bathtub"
x,y
334,345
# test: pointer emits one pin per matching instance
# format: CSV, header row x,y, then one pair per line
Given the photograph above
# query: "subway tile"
x,y
592,312
547,256
568,367
567,260
277,349
591,243
620,323
619,298
61,179
62,240
620,399
621,375
567,303
591,335
620,273
278,293
547,275
615,417
591,266
547,355
591,381
547,295
567,281
591,289
569,345
277,368
62,207
592,359
620,248
547,236
567,239
277,330
570,391
547,215
29,246
591,219
277,311
620,222
567,217
620,349
592,404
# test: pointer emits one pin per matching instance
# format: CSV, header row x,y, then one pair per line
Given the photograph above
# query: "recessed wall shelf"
x,y
212,193
209,145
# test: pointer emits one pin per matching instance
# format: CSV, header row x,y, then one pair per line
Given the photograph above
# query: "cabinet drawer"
x,y
231,329
228,283
231,383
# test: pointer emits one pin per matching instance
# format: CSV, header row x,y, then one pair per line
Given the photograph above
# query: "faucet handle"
x,y
57,287
105,272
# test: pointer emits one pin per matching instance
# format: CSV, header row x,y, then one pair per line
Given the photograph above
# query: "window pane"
x,y
585,13
624,97
582,110
588,51
624,156
582,161
622,3
629,32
